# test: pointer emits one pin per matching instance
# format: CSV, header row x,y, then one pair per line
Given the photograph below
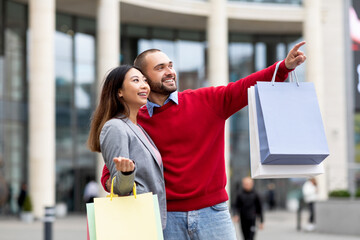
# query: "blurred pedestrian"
x,y
22,196
271,196
248,206
310,194
91,190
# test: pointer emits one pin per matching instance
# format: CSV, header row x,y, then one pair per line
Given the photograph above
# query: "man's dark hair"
x,y
139,61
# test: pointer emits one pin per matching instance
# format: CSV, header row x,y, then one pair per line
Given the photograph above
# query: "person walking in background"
x,y
310,194
188,128
22,196
91,190
249,207
128,151
270,196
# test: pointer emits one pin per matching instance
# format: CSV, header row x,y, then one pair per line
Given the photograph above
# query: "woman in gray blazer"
x,y
128,151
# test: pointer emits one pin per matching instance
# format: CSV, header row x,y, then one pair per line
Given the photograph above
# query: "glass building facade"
x,y
75,77
75,99
247,54
13,95
355,47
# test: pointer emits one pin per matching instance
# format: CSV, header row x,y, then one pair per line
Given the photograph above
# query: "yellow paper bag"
x,y
130,217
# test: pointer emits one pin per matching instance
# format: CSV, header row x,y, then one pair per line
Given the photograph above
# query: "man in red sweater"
x,y
188,129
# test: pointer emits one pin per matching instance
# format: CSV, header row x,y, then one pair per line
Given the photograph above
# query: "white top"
x,y
91,190
309,192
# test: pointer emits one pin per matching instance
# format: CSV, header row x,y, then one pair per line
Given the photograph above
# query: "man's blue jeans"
x,y
209,223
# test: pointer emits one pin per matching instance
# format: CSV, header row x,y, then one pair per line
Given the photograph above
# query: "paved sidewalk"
x,y
68,228
279,225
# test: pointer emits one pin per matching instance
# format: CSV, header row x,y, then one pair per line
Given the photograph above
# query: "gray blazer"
x,y
121,138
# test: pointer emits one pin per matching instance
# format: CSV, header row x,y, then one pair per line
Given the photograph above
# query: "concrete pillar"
x,y
314,63
41,105
108,47
324,34
218,64
349,68
217,37
335,93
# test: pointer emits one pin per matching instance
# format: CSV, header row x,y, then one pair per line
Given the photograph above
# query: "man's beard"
x,y
160,88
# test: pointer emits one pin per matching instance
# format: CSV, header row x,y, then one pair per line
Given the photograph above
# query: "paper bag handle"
x,y
111,195
292,75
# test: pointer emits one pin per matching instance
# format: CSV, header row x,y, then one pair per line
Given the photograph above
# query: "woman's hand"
x,y
124,164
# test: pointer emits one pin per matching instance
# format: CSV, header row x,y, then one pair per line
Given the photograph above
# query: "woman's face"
x,y
135,89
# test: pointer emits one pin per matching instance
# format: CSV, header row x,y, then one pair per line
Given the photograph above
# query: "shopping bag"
x,y
290,124
262,171
91,229
90,215
131,217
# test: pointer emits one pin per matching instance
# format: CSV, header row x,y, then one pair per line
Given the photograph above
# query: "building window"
x,y
355,45
75,98
190,68
2,16
13,96
247,54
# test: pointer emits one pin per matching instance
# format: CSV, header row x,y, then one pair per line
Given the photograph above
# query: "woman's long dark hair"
x,y
110,104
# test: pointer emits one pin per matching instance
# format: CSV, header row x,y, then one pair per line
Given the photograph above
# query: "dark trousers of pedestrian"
x,y
248,228
311,212
90,199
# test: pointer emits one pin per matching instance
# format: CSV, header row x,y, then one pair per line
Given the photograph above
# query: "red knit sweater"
x,y
190,138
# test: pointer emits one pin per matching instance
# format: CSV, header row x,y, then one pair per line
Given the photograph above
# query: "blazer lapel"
x,y
141,136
